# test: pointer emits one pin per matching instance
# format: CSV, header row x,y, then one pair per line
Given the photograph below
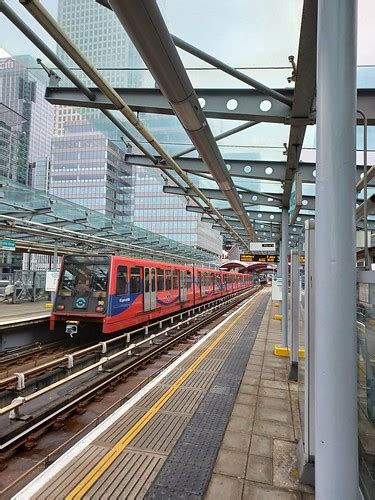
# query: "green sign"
x,y
9,245
295,201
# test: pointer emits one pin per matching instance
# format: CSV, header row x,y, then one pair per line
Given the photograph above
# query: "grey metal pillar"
x,y
294,314
336,461
284,272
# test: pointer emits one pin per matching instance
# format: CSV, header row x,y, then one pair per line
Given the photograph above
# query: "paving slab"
x,y
259,469
224,488
261,446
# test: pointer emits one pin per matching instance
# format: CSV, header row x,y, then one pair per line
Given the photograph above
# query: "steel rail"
x,y
102,385
102,347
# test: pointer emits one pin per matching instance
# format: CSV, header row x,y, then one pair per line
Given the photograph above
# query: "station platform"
x,y
221,422
18,314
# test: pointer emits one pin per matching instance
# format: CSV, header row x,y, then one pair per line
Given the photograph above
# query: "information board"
x,y
295,201
258,246
51,281
249,257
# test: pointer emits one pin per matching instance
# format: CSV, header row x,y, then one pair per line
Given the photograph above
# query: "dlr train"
x,y
113,293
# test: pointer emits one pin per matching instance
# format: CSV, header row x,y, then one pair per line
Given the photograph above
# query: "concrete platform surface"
x,y
257,459
10,313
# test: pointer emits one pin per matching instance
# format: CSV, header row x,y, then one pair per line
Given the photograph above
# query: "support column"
x,y
284,272
336,461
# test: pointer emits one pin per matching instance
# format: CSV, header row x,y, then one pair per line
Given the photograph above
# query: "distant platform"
x,y
15,315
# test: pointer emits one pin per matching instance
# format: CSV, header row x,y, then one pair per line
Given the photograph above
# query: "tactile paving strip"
x,y
187,470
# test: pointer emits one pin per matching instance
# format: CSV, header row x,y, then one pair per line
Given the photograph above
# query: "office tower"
x,y
26,118
88,169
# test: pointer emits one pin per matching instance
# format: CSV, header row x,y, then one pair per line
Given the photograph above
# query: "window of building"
x,y
160,279
122,280
135,279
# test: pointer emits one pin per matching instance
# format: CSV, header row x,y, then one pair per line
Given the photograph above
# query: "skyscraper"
x,y
89,169
29,136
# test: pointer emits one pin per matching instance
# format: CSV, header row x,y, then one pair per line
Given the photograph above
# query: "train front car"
x,y
81,298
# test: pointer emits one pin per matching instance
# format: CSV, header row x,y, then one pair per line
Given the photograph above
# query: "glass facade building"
x,y
88,169
22,91
166,214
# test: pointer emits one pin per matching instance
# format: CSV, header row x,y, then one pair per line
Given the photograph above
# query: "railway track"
x,y
103,376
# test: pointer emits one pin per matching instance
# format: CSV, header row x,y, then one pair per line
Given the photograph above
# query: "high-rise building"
x,y
166,214
88,169
101,37
28,137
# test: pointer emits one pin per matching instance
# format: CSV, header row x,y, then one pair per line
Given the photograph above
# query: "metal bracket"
x,y
20,381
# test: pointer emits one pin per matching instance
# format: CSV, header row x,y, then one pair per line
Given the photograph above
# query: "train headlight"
x,y
99,309
60,307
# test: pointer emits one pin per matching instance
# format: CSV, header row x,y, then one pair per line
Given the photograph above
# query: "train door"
x,y
183,286
149,289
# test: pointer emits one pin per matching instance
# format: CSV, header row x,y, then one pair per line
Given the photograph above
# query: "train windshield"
x,y
84,276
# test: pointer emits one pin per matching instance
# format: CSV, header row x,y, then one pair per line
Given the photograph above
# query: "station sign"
x,y
9,245
52,278
248,257
258,246
295,201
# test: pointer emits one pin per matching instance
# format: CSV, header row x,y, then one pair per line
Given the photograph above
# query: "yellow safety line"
x,y
88,481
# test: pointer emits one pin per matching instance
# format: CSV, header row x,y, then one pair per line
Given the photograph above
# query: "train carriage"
x,y
114,293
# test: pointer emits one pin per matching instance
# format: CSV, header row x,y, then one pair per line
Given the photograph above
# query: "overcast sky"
x,y
242,32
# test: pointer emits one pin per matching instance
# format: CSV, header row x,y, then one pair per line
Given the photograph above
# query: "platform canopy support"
x,y
336,461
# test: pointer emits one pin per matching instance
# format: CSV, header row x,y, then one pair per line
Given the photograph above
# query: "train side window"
x,y
122,280
212,281
218,283
168,280
135,279
153,282
160,276
188,279
175,280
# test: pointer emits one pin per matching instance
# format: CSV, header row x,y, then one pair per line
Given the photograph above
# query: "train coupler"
x,y
71,328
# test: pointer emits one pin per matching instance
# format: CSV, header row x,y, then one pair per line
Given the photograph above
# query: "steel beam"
x,y
231,71
247,198
225,134
248,103
248,169
336,425
304,92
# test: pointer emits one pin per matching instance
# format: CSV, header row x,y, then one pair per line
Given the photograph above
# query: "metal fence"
x,y
23,286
